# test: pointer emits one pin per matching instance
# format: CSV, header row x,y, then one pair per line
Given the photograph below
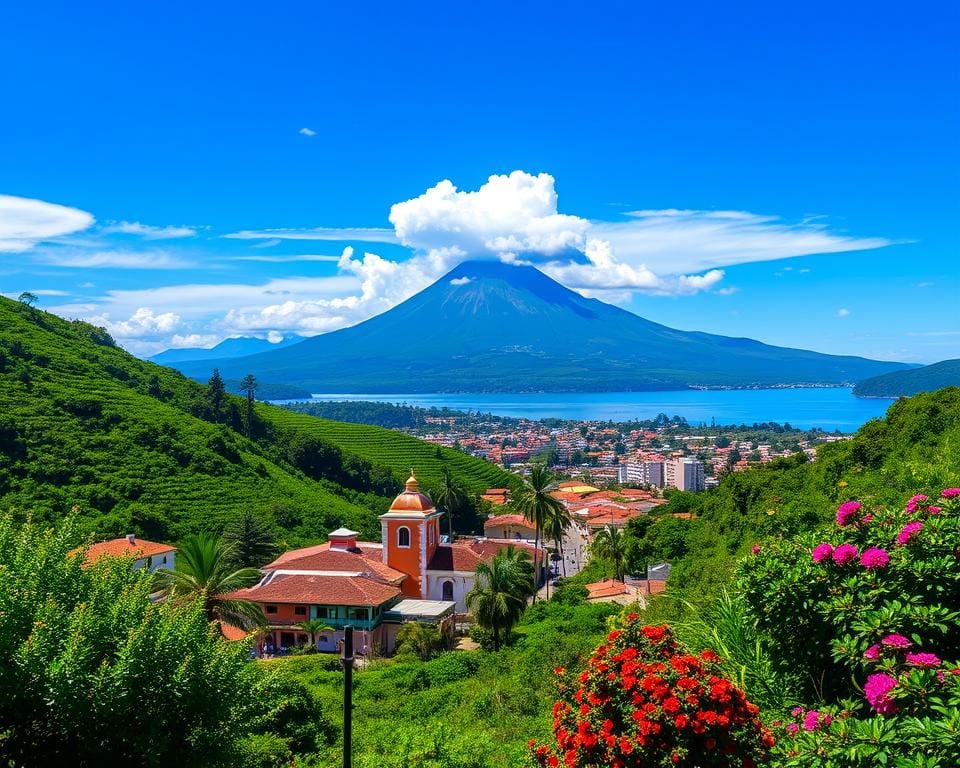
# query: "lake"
x,y
829,408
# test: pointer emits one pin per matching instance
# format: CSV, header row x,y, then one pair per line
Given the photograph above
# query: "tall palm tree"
x,y
315,628
204,571
555,527
448,496
536,504
499,594
611,544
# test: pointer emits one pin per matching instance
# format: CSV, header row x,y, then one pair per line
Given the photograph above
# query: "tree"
x,y
27,298
315,628
448,496
252,539
249,386
216,394
536,504
499,594
420,640
94,672
555,527
611,544
205,572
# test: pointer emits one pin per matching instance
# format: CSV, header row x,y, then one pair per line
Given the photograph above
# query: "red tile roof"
x,y
366,558
467,556
606,588
232,633
508,520
320,590
140,548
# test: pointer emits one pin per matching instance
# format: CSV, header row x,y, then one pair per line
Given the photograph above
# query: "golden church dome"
x,y
411,500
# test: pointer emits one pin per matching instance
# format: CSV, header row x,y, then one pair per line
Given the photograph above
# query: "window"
x,y
447,589
322,612
300,610
403,537
271,609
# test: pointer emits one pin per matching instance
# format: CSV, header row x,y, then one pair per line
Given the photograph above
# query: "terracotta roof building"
x,y
146,554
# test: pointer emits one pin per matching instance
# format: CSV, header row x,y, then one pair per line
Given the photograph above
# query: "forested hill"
x,y
916,447
905,383
139,447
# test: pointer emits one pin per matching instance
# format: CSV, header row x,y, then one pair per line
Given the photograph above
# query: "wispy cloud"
x,y
80,258
335,234
24,222
307,132
146,231
843,312
288,259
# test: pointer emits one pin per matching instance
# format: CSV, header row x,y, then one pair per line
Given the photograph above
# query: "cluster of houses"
x,y
410,575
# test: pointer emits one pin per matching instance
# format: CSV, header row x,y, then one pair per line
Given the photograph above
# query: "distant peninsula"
x,y
911,382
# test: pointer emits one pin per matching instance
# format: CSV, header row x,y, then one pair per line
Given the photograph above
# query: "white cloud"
x,y
87,284
285,259
727,291
843,312
24,222
461,280
337,234
146,231
142,324
68,256
307,132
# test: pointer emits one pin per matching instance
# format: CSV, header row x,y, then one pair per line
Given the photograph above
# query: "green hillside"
x,y
905,383
139,447
396,450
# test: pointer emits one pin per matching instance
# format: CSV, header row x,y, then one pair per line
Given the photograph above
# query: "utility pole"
x,y
347,695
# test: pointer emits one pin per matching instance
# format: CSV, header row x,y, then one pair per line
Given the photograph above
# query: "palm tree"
x,y
448,496
315,628
204,571
555,527
252,538
499,594
536,504
611,544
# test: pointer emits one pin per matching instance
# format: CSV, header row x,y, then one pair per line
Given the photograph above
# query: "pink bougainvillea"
x,y
909,531
821,552
925,660
872,653
896,640
949,493
844,554
874,558
847,512
877,692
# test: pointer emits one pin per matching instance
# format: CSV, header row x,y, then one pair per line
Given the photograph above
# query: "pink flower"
x,y
844,554
914,501
827,719
877,692
909,531
949,493
872,653
896,641
755,549
811,721
847,511
925,660
821,552
932,510
875,558
792,728
796,711
867,519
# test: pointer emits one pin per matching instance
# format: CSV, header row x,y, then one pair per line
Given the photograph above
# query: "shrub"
x,y
644,701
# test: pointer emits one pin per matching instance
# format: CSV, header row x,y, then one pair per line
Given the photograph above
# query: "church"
x,y
410,575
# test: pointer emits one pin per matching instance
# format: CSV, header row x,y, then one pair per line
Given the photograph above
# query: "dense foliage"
x,y
93,672
865,619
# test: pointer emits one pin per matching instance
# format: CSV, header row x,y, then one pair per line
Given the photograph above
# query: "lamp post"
x,y
347,695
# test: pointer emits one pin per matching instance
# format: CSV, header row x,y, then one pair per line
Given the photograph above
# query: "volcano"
x,y
488,326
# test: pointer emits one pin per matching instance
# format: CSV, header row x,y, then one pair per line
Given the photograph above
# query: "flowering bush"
x,y
867,614
645,701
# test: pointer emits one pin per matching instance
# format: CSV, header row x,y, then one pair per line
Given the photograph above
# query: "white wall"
x,y
462,583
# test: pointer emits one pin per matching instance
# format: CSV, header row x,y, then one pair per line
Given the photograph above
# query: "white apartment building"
x,y
644,473
685,474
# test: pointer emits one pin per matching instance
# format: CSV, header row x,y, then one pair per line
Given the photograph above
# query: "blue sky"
x,y
786,173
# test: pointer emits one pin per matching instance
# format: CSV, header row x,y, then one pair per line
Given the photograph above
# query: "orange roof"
x,y
232,633
653,587
508,520
322,590
606,588
366,558
138,549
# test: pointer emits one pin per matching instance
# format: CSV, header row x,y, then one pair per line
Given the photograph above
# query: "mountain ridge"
x,y
489,326
946,373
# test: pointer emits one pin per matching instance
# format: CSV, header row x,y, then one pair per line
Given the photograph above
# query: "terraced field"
x,y
396,450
